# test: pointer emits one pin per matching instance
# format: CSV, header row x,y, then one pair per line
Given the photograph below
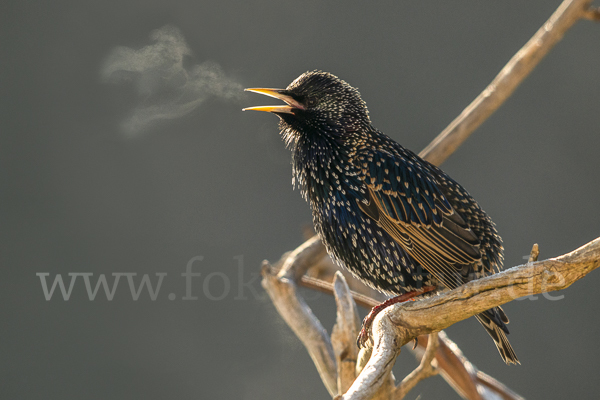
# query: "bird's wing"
x,y
408,203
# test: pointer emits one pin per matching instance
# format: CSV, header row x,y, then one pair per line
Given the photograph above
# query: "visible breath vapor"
x,y
167,89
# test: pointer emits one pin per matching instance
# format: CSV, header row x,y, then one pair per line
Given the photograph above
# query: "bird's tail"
x,y
494,321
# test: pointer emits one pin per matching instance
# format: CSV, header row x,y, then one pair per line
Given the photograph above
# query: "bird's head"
x,y
318,103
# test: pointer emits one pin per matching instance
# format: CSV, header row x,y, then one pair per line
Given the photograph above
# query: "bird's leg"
x,y
368,321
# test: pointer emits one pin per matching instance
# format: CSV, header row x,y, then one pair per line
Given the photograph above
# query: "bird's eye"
x,y
311,102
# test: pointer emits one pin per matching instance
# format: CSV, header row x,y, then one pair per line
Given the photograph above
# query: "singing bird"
x,y
398,223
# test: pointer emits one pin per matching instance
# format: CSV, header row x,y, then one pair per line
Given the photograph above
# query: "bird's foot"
x,y
363,336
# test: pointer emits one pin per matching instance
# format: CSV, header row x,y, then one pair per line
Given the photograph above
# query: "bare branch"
x,y
464,377
454,367
296,313
511,76
423,371
322,285
493,389
439,312
375,373
343,335
401,323
301,259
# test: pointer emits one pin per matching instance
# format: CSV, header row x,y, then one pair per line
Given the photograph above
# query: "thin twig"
x,y
458,372
327,287
301,259
592,14
535,252
423,371
497,389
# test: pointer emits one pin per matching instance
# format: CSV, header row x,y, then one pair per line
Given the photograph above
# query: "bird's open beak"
x,y
278,94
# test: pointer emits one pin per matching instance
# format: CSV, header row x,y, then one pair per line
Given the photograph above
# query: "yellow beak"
x,y
278,94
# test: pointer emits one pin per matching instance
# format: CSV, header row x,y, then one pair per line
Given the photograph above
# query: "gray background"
x,y
79,196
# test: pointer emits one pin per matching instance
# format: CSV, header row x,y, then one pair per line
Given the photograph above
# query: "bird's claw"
x,y
363,338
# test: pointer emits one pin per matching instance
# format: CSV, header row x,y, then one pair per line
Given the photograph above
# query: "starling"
x,y
398,223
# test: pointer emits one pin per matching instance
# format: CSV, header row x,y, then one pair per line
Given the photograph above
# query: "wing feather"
x,y
417,214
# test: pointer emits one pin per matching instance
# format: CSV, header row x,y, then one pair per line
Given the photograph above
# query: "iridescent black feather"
x,y
394,220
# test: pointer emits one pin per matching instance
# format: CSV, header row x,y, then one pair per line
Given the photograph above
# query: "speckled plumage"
x,y
394,220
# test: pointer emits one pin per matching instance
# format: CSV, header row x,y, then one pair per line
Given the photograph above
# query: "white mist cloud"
x,y
167,89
